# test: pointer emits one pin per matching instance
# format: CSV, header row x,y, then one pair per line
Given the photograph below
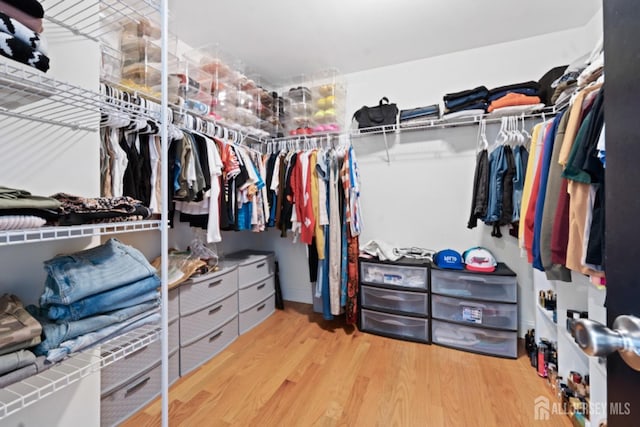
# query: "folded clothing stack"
x,y
20,33
19,332
76,210
416,116
466,103
19,209
93,295
515,99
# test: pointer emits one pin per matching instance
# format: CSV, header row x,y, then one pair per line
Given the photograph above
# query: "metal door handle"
x,y
597,340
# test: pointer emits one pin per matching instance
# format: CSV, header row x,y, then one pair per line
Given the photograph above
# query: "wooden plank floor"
x,y
296,369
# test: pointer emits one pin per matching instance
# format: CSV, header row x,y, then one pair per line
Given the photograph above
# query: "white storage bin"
x,y
200,292
413,303
489,314
253,294
212,317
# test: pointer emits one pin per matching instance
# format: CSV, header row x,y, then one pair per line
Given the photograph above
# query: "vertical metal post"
x,y
164,232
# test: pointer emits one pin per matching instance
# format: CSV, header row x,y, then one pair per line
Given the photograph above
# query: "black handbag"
x,y
371,119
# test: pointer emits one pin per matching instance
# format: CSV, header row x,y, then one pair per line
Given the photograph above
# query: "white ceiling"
x,y
284,38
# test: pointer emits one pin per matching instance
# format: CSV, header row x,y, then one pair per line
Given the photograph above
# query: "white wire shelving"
x,y
94,19
29,94
44,234
22,394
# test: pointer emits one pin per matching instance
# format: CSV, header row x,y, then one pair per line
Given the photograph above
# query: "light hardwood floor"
x,y
296,369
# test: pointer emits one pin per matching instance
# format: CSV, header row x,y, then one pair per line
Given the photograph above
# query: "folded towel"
x,y
15,28
30,7
29,21
19,51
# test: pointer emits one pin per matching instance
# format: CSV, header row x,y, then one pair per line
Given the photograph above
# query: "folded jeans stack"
x,y
20,33
516,98
92,295
467,103
416,116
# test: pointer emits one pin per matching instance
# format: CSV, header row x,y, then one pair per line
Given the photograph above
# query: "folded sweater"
x,y
30,7
512,99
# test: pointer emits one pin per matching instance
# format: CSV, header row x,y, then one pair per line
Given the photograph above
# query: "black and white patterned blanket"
x,y
20,31
12,47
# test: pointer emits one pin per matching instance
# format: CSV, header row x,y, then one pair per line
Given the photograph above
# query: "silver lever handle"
x,y
595,339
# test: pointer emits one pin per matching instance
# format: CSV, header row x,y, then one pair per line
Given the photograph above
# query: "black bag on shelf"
x,y
371,119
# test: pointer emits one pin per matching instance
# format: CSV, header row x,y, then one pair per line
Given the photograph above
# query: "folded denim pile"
x,y
93,295
19,331
417,116
20,33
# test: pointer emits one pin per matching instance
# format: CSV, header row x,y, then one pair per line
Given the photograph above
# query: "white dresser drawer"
x,y
122,371
253,266
480,313
256,314
391,325
487,287
252,294
397,276
199,351
209,318
201,292
412,303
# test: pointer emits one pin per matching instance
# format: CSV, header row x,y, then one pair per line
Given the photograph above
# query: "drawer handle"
x,y
140,350
137,387
262,264
262,286
215,310
216,283
261,307
216,336
472,279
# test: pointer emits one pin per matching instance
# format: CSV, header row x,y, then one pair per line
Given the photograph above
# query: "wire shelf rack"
x,y
94,19
27,93
44,234
29,391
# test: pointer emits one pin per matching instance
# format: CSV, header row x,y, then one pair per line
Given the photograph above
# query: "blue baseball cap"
x,y
448,258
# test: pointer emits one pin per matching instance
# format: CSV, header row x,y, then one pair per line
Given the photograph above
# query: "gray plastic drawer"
x,y
411,328
199,293
256,314
255,268
491,314
200,351
174,304
126,400
394,275
122,371
478,286
206,320
415,303
476,340
253,294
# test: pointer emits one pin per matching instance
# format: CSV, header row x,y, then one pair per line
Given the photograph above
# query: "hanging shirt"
x,y
529,177
479,198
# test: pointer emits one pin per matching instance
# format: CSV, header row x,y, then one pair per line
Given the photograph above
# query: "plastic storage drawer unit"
x,y
480,313
394,326
476,340
397,276
253,266
211,317
253,316
200,350
200,292
412,303
487,287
